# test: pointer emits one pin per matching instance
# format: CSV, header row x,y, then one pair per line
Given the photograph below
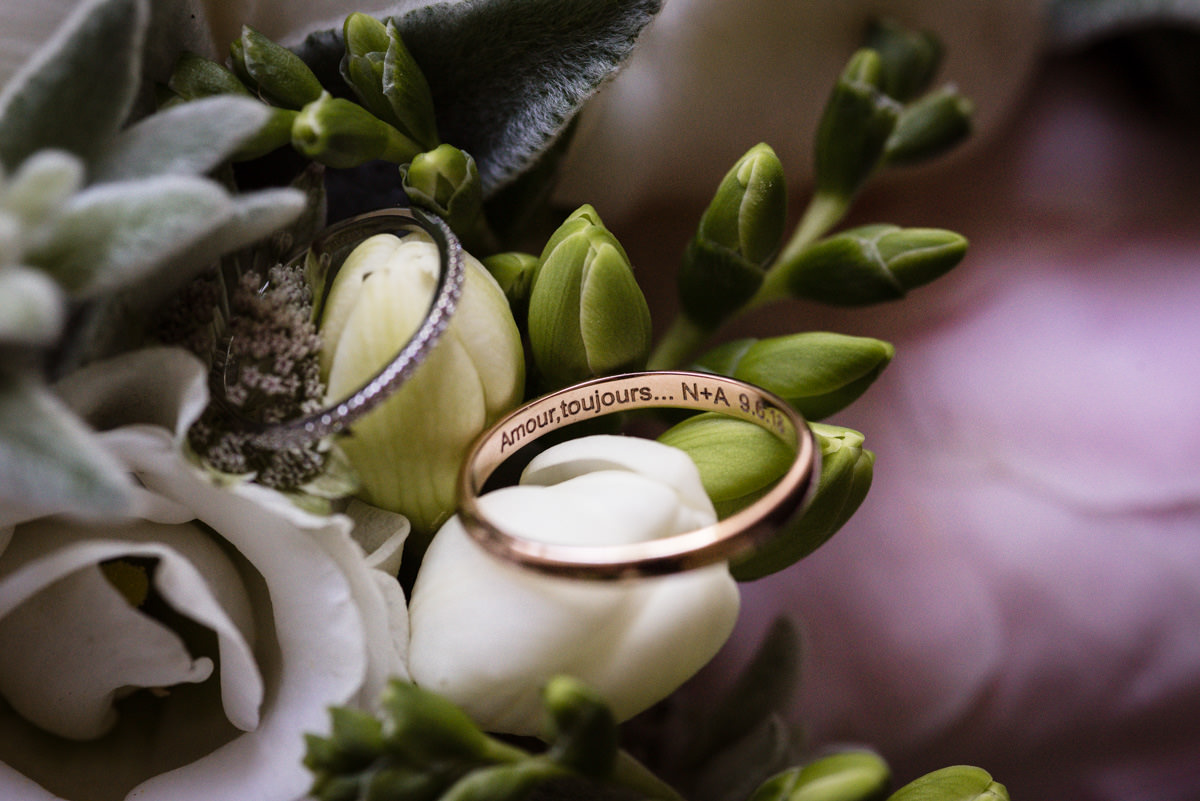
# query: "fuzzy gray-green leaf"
x,y
48,460
32,307
188,139
75,93
506,84
112,234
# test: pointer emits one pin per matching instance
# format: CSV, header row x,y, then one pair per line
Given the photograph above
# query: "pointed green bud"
x,y
854,127
846,473
272,136
405,87
872,264
738,460
364,34
738,233
195,77
958,783
513,782
581,729
910,58
587,314
339,133
355,741
848,776
279,75
514,272
446,182
819,373
930,127
420,726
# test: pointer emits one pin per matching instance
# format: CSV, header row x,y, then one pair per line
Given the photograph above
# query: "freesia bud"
x,y
819,373
848,776
582,729
958,783
738,233
587,315
195,77
738,460
407,451
386,78
910,58
854,127
846,472
339,133
514,271
279,75
871,264
935,124
489,635
446,182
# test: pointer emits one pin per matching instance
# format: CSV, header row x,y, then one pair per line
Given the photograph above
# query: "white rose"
x,y
488,635
261,616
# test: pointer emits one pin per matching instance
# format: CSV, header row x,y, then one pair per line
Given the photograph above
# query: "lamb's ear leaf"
x,y
75,93
505,86
49,461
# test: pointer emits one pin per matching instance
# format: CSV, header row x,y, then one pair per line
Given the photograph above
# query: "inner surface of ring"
x,y
705,392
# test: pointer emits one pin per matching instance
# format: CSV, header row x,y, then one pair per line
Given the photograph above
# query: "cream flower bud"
x,y
488,635
407,451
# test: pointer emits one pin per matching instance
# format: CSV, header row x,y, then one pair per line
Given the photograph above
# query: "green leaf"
x,y
188,139
112,234
505,85
75,93
957,783
49,462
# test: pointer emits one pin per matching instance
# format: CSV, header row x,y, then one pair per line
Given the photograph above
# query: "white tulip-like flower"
x,y
408,450
488,635
182,653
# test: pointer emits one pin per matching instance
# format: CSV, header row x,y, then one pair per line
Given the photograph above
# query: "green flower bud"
x,y
514,271
195,77
272,136
958,783
446,182
281,77
872,264
738,460
420,726
849,776
580,727
339,133
408,450
935,124
846,472
587,315
854,127
386,78
738,233
512,782
817,372
910,58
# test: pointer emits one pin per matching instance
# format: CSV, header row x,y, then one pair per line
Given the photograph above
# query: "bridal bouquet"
x,y
191,609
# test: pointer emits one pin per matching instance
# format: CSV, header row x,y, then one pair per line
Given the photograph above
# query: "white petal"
x,y
60,676
645,457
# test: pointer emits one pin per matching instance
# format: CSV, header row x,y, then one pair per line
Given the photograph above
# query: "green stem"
x,y
678,343
823,212
630,773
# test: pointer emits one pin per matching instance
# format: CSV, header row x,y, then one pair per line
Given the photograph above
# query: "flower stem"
x,y
630,773
677,344
823,212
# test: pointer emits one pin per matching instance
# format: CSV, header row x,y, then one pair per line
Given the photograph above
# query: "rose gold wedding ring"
x,y
735,535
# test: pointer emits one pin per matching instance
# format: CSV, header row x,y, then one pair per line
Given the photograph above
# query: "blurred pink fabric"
x,y
1021,588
